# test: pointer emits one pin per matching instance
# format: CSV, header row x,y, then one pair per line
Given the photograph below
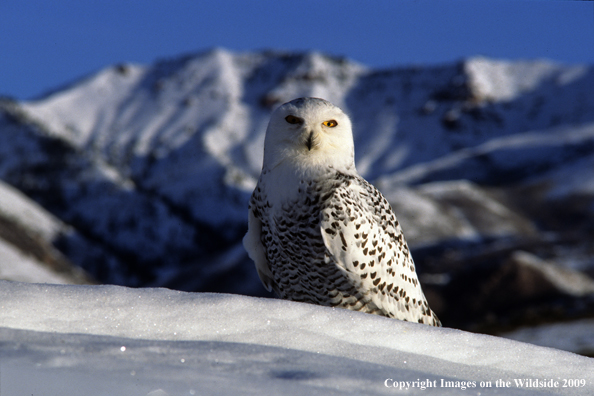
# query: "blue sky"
x,y
46,43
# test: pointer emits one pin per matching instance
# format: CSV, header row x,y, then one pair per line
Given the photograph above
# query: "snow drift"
x,y
76,340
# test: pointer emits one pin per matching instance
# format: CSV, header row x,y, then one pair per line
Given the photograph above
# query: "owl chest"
x,y
291,234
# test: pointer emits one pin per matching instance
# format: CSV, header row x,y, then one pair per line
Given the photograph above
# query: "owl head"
x,y
311,134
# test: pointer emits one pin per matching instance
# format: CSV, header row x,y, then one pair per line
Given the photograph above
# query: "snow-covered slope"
x,y
27,232
76,340
483,160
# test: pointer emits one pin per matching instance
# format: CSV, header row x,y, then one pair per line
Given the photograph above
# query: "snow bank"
x,y
114,340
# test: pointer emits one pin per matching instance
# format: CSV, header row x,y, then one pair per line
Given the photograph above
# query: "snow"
x,y
569,281
74,112
18,207
504,81
73,340
17,261
512,154
433,212
17,266
570,179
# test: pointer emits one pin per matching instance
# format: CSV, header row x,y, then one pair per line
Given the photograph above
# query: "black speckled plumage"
x,y
330,221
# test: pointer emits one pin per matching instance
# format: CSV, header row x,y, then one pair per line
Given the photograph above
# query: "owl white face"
x,y
310,132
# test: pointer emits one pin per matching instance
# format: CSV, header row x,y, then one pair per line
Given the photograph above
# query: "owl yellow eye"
x,y
293,120
330,123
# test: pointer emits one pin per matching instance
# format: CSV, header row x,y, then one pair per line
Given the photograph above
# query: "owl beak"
x,y
309,142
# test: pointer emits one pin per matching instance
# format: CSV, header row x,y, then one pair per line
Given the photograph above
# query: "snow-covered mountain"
x,y
488,165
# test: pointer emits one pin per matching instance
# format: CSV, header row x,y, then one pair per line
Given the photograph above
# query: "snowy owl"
x,y
320,233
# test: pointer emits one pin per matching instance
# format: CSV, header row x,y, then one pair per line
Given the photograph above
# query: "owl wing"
x,y
365,241
252,242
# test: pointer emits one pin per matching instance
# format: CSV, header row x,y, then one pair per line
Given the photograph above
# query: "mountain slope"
x,y
27,233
